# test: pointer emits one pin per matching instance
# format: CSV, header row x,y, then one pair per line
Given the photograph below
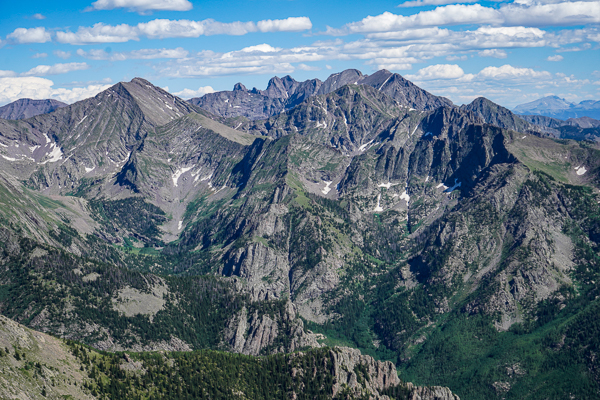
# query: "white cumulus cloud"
x,y
557,57
507,85
30,35
508,72
457,58
394,67
261,48
99,33
583,47
142,6
449,15
14,88
141,54
166,28
258,59
305,67
62,54
77,93
43,70
496,53
396,51
292,24
183,28
32,87
565,13
421,3
189,93
438,71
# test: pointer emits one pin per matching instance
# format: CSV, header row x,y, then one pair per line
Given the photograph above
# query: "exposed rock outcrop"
x,y
254,334
430,393
361,373
357,375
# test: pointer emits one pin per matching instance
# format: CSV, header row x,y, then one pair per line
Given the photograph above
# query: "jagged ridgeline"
x,y
459,242
38,366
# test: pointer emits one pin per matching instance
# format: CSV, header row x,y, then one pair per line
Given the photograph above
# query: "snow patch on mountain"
x,y
178,173
54,155
378,208
326,189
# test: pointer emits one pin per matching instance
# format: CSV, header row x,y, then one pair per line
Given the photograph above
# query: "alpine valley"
x,y
317,229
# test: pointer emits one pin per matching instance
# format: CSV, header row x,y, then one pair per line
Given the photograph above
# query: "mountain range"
x,y
26,108
458,242
285,93
556,107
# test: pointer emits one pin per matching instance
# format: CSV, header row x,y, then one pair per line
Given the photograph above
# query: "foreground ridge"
x,y
35,365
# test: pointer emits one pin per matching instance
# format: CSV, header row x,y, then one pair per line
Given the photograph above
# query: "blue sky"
x,y
511,52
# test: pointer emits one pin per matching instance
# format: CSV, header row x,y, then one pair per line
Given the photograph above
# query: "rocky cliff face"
x,y
358,373
356,376
418,169
430,393
252,334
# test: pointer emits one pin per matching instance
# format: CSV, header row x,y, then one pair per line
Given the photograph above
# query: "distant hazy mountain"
x,y
555,107
26,108
583,128
285,93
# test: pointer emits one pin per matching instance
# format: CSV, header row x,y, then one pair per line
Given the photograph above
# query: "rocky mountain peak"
x,y
240,87
482,102
158,106
590,103
548,102
288,81
381,76
495,114
141,81
337,80
383,79
404,91
277,88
